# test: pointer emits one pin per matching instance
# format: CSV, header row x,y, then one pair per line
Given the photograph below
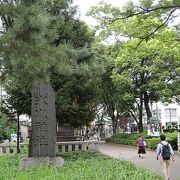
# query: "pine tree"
x,y
30,42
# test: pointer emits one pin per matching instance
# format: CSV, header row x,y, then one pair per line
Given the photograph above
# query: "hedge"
x,y
130,139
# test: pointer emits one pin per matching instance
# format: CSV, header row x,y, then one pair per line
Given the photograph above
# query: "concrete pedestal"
x,y
33,162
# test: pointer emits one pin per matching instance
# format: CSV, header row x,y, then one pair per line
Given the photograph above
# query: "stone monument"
x,y
65,133
42,145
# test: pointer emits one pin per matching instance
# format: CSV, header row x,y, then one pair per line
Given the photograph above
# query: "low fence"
x,y
11,148
68,146
91,145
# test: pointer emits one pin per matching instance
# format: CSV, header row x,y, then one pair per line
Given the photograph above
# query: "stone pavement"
x,y
129,153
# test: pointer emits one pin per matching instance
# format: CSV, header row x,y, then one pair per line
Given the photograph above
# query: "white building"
x,y
25,123
167,114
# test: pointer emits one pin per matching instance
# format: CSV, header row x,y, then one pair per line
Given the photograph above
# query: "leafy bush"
x,y
130,139
172,139
123,138
3,127
152,143
78,165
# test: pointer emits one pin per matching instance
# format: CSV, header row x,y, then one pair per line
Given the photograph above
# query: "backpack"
x,y
165,152
141,143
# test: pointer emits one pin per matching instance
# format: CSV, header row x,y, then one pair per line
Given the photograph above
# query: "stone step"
x,y
65,126
66,138
65,133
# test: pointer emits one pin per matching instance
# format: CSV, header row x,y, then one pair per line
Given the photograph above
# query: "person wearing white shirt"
x,y
165,163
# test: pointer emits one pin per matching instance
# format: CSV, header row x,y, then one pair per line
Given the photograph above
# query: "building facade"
x,y
167,114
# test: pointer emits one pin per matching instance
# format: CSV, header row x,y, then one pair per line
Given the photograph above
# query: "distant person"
x,y
165,152
87,134
141,146
139,139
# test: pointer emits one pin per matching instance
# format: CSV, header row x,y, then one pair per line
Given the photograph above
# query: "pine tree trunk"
x,y
18,150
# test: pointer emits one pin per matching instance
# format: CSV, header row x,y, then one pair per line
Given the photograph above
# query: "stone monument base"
x,y
33,162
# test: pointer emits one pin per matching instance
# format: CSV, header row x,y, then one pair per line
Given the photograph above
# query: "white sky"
x,y
85,5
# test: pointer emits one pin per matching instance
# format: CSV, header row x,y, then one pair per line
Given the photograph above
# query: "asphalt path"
x,y
129,153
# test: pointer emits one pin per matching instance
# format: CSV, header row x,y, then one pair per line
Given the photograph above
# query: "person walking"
x,y
165,152
141,146
139,139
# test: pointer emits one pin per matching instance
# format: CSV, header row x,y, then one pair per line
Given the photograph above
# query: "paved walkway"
x,y
149,161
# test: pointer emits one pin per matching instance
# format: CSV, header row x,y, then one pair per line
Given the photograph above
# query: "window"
x,y
170,113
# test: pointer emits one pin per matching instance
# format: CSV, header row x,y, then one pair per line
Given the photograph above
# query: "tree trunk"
x,y
148,111
140,124
113,123
18,150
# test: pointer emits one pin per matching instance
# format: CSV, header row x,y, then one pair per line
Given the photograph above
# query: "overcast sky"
x,y
84,6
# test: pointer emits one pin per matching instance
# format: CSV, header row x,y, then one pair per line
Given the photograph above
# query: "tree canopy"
x,y
146,68
44,40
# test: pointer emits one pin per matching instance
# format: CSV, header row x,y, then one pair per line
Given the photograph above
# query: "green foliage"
x,y
78,165
16,100
170,137
5,124
124,138
141,20
50,44
146,68
149,67
75,99
152,142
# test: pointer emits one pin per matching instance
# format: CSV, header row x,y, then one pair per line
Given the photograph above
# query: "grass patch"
x,y
78,166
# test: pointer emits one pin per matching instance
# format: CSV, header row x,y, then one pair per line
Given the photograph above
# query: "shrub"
x,y
172,139
130,139
152,143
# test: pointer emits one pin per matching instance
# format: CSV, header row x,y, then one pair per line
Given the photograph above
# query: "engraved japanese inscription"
x,y
43,131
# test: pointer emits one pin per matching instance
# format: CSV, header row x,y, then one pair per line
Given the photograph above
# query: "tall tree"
x,y
109,95
146,18
143,50
61,56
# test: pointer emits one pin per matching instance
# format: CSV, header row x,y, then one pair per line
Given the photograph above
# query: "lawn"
x,y
78,166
